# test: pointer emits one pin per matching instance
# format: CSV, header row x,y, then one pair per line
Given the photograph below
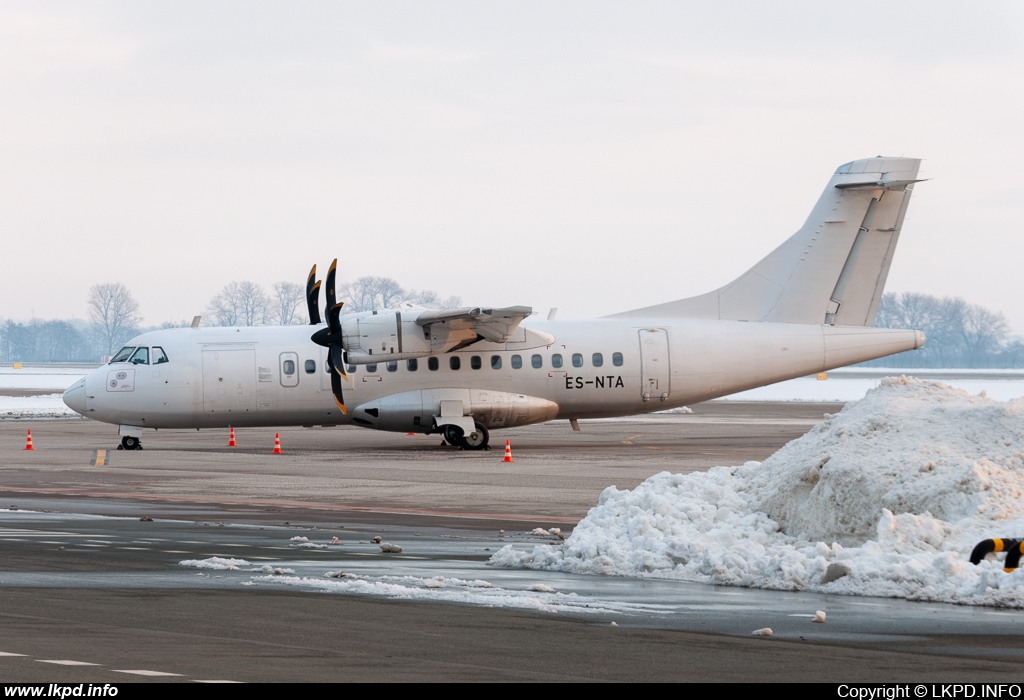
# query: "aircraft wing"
x,y
495,325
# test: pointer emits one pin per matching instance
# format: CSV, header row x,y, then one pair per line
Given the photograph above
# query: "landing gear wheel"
x,y
129,442
476,440
453,435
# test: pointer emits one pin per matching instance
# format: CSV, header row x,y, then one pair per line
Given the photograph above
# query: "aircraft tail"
x,y
830,272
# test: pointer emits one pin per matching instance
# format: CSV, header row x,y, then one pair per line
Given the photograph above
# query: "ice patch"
x,y
886,498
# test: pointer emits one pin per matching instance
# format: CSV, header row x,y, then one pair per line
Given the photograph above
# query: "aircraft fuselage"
x,y
260,376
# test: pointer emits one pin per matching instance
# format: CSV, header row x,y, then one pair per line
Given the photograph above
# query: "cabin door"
x,y
229,381
655,372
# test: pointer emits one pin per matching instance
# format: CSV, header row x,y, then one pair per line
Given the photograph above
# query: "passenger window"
x,y
310,366
123,354
556,360
412,365
598,359
454,362
432,364
475,362
371,368
392,366
495,361
351,369
141,357
517,362
617,359
288,366
159,356
577,360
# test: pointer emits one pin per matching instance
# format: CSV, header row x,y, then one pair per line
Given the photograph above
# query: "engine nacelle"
x,y
385,336
430,409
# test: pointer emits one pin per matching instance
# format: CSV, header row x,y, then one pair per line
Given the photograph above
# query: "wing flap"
x,y
495,325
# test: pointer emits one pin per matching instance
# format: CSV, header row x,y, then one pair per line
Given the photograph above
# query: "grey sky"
x,y
591,156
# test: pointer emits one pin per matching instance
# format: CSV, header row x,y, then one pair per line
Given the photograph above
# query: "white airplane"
x,y
807,307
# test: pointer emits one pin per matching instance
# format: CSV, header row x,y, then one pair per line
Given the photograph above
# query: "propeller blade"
x,y
331,291
336,388
334,322
313,297
337,361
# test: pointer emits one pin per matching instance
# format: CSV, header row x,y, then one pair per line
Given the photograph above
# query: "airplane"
x,y
807,307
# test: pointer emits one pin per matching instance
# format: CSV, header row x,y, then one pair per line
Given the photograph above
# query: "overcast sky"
x,y
586,155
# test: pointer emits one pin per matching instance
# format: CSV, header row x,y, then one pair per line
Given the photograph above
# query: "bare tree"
x,y
375,293
959,334
240,304
288,301
114,314
984,333
371,294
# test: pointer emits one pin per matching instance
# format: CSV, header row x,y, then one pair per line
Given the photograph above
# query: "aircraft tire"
x,y
453,435
477,440
129,442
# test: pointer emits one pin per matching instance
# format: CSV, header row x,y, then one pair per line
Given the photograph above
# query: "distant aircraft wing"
x,y
495,325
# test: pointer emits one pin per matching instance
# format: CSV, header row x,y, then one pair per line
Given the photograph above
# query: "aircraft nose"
x,y
74,397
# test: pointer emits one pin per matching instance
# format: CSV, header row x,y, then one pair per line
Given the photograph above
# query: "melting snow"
x,y
886,498
475,592
215,563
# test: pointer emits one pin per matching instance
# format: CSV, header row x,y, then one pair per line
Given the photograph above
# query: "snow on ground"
x,y
56,378
218,563
535,596
48,406
887,497
538,597
1003,385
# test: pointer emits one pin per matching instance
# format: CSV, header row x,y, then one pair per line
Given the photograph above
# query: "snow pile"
x,y
886,498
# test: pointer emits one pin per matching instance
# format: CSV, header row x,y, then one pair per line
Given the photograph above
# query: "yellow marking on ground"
x,y
629,440
99,458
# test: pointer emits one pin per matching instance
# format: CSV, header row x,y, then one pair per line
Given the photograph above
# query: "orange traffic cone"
x,y
508,452
231,440
277,444
28,441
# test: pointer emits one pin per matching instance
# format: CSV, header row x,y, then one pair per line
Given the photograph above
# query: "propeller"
x,y
329,337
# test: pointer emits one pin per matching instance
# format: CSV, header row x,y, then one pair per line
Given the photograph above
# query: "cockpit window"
x,y
159,356
123,354
141,357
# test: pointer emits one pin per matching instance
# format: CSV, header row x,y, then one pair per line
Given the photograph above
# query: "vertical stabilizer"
x,y
833,270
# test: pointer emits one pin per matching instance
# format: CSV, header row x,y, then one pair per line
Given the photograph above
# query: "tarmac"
x,y
94,590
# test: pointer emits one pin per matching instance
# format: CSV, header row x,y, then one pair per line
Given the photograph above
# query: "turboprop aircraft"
x,y
807,307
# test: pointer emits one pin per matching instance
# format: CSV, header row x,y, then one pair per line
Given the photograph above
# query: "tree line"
x,y
114,316
958,334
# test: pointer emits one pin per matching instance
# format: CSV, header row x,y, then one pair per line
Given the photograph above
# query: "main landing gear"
x,y
476,440
130,442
